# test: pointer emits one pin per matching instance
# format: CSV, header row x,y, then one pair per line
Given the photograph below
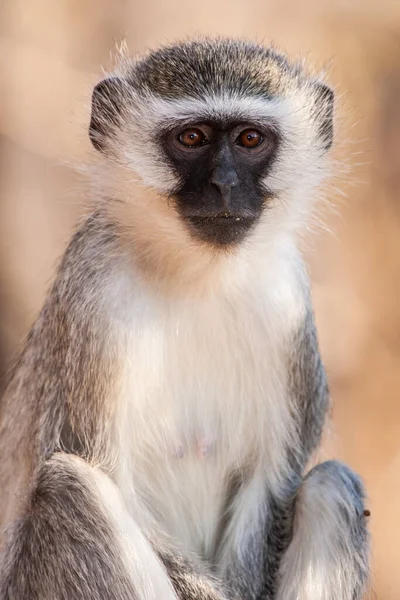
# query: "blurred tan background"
x,y
50,56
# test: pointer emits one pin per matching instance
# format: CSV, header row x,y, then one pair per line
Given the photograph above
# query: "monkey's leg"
x,y
327,558
77,542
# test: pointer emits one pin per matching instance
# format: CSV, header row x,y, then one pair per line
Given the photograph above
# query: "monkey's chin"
x,y
221,231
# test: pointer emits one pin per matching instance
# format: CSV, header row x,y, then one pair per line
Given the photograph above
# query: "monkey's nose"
x,y
224,180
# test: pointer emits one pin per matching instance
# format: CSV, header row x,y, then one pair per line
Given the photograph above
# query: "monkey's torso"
x,y
186,402
203,399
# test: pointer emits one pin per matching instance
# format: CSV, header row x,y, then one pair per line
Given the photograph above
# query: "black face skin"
x,y
221,167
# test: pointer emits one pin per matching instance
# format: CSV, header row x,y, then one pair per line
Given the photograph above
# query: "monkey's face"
x,y
220,167
231,136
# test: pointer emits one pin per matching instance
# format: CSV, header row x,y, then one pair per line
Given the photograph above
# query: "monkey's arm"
x,y
57,395
328,556
317,544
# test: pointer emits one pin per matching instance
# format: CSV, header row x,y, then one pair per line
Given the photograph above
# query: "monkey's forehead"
x,y
213,67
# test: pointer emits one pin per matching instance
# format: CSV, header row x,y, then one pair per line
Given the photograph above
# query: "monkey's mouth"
x,y
222,229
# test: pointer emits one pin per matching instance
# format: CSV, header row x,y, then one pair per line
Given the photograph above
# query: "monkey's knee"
x,y
64,548
329,554
69,545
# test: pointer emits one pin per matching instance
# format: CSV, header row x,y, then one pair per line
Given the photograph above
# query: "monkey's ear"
x,y
107,104
325,108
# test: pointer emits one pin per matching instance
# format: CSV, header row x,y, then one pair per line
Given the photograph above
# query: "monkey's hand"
x,y
190,584
328,555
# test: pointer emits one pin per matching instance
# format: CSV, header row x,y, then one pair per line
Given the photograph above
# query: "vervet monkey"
x,y
157,427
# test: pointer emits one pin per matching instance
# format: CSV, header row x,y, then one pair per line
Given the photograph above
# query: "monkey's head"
x,y
230,135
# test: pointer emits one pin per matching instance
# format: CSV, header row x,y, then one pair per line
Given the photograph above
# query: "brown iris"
x,y
250,138
192,138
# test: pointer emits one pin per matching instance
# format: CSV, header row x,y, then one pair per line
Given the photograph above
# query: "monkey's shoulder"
x,y
88,257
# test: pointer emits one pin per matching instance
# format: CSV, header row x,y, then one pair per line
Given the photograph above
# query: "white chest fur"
x,y
203,394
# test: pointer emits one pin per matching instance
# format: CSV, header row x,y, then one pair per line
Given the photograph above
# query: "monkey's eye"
x,y
250,138
192,138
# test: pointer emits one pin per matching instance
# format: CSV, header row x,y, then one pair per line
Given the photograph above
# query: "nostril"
x,y
224,188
